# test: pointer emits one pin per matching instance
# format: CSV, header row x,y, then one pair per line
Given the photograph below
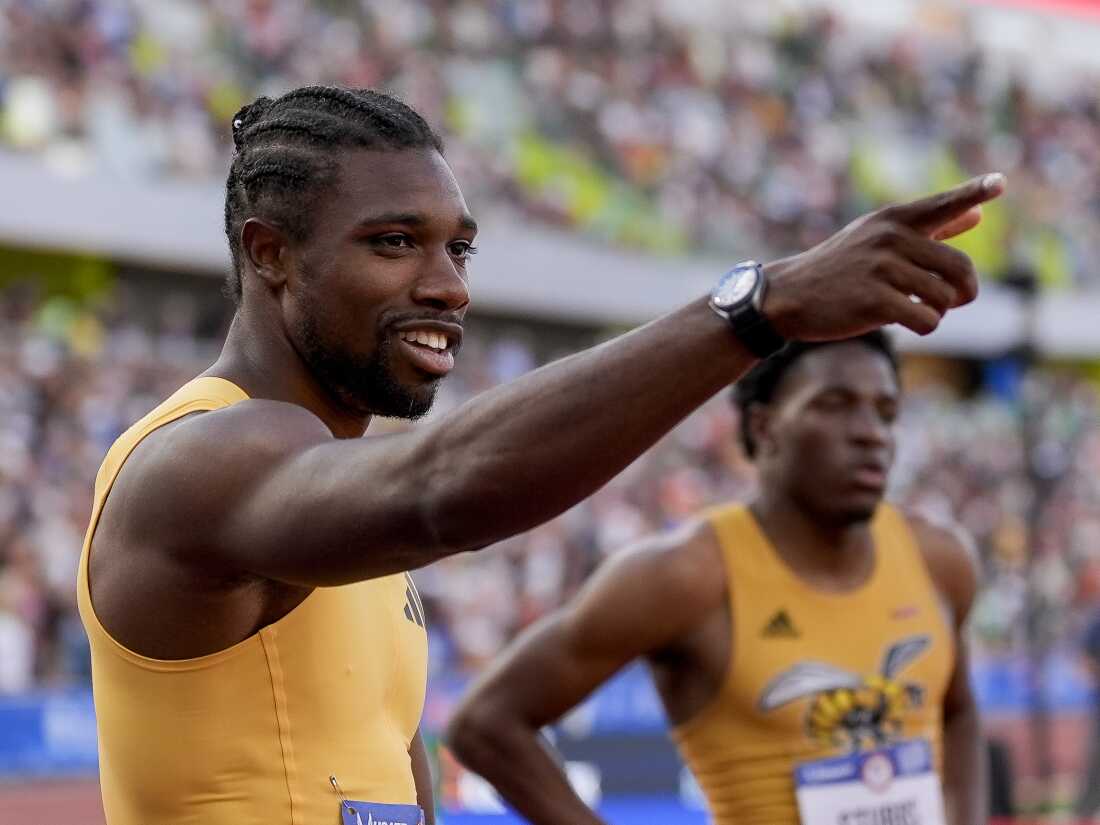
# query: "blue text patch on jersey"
x,y
375,813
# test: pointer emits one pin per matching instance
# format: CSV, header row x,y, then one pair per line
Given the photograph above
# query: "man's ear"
x,y
265,251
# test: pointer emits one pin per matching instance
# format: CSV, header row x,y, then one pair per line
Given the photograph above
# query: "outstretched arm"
x,y
951,560
289,503
554,666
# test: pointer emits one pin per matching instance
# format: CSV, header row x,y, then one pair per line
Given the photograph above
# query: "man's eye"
x,y
831,402
463,249
394,241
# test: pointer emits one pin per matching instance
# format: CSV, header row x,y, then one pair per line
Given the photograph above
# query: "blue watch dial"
x,y
736,285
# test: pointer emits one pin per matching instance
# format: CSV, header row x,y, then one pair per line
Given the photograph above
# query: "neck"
x,y
835,556
259,357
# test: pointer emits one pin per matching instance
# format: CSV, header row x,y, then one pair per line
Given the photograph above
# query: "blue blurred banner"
x,y
620,730
642,810
47,734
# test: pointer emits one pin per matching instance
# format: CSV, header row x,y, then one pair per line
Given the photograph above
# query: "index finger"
x,y
929,214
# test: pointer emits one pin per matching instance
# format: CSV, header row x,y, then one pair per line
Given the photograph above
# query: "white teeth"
x,y
435,340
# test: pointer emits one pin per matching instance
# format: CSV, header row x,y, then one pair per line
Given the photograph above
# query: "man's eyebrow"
x,y
410,219
407,218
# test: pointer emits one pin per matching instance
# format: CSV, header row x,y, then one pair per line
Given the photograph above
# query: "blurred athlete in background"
x,y
807,648
258,649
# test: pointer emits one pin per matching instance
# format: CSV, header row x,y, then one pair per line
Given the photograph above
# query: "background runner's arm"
x,y
422,775
966,780
635,605
289,503
952,561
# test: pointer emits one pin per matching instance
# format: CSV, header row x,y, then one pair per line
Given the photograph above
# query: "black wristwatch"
x,y
739,297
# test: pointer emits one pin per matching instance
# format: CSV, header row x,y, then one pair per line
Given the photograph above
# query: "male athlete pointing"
x,y
243,580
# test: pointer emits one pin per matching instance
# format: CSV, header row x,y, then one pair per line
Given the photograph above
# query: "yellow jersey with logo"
x,y
250,735
814,674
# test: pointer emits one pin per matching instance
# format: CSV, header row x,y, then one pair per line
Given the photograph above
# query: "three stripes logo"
x,y
780,626
414,609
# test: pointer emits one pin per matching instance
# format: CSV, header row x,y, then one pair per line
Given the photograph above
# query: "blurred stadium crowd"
x,y
658,124
661,125
72,378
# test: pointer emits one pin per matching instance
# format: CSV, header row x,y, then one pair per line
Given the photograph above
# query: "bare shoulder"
x,y
251,425
951,555
682,566
187,472
648,595
686,560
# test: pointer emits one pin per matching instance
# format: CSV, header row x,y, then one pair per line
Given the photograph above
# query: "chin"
x,y
858,511
403,401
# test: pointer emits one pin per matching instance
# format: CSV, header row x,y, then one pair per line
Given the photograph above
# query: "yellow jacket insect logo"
x,y
849,710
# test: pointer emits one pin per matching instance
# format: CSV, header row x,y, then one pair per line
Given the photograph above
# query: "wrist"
x,y
777,305
739,298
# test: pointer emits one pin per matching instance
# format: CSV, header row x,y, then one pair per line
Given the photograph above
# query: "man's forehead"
x,y
402,181
850,364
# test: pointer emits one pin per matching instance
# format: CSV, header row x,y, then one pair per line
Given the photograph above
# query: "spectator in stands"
x,y
646,122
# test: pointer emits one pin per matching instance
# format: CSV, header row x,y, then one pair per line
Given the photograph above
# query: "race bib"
x,y
896,785
373,813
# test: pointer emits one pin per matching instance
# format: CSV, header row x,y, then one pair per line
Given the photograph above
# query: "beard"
x,y
366,385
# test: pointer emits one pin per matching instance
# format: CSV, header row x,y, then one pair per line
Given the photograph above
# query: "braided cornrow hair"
x,y
284,154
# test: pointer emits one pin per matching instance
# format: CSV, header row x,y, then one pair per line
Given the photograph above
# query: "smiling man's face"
x,y
376,310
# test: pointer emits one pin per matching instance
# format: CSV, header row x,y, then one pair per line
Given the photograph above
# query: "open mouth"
x,y
429,350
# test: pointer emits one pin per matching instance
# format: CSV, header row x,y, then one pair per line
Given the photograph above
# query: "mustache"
x,y
443,317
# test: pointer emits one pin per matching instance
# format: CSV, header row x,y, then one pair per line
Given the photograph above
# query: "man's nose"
x,y
442,285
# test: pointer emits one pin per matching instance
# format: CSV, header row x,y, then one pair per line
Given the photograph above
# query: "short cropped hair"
x,y
758,386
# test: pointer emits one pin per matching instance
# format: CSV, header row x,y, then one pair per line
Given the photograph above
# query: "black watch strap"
x,y
755,330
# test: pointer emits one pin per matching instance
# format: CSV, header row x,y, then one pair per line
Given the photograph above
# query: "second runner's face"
x,y
377,309
832,431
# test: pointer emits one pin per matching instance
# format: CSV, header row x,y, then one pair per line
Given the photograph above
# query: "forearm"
x,y
512,758
966,783
504,462
528,450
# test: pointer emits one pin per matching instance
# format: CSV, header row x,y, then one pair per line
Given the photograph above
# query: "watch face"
x,y
735,286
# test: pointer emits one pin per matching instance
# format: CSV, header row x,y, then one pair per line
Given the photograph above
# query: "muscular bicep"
x,y
952,560
262,488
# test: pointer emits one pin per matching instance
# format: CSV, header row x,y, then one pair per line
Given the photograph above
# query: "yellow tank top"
x,y
805,664
251,734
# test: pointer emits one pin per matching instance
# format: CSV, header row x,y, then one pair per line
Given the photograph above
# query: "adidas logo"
x,y
414,610
780,626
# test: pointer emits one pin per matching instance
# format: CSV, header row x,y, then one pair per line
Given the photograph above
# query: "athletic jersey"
x,y
815,674
250,735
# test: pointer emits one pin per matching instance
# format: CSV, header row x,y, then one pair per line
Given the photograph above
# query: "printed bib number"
x,y
889,786
373,813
